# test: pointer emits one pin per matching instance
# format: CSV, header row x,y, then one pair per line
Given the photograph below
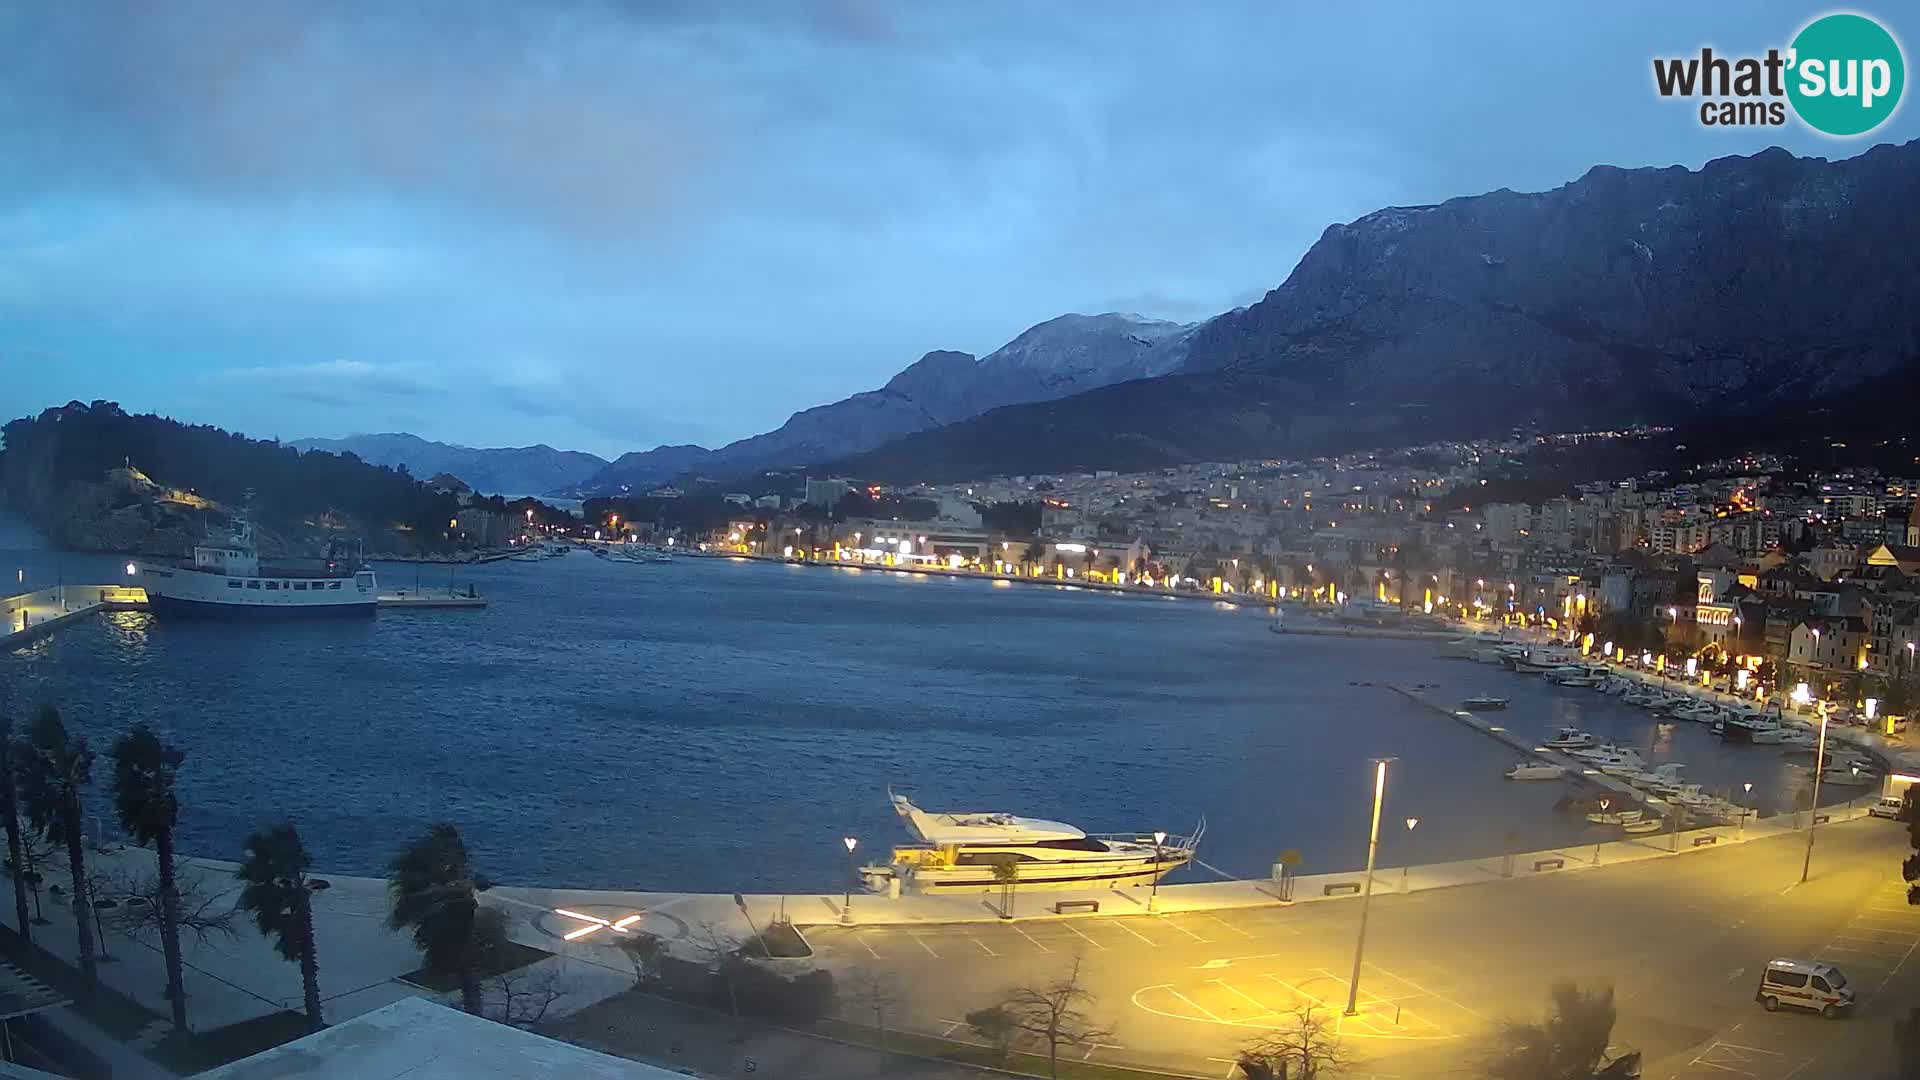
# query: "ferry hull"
x,y
175,607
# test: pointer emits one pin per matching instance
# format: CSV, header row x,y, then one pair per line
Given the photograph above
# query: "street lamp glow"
x,y
1366,896
132,569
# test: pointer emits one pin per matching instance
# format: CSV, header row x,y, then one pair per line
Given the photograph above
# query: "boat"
x,y
1571,739
228,579
961,850
1614,817
1571,675
1699,712
1665,775
1536,770
1469,647
1484,703
1623,762
1641,826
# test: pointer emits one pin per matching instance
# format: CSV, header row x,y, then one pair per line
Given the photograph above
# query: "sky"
x,y
605,226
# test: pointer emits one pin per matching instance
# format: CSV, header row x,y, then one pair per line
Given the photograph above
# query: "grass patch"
x,y
116,1013
926,1046
509,956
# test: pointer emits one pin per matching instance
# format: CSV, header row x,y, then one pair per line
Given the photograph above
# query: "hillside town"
x,y
1810,576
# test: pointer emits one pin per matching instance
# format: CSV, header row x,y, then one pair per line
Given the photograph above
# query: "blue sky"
x,y
609,225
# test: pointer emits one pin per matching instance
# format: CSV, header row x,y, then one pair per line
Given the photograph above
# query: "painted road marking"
x,y
1084,937
1184,930
1030,937
1196,1006
1228,925
1434,994
916,936
982,944
862,939
1123,926
1265,1009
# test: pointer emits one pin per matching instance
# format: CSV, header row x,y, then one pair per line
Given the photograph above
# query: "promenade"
x,y
28,616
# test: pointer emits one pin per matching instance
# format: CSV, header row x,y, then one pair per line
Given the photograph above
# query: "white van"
x,y
1805,984
1888,806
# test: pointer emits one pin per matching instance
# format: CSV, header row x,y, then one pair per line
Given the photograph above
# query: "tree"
x,y
16,851
204,913
433,890
35,850
1309,1048
1006,871
876,990
521,997
644,951
53,768
280,896
1570,1044
1053,1012
995,1024
144,770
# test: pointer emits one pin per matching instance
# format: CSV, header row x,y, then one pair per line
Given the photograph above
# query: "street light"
x,y
1366,896
1408,865
1813,808
1604,803
1153,895
846,905
1747,808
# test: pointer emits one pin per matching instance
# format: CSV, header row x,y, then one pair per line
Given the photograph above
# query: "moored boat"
x,y
1484,703
1536,770
228,579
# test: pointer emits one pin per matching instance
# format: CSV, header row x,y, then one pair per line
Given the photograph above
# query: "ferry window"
x,y
333,585
253,584
300,585
273,584
233,584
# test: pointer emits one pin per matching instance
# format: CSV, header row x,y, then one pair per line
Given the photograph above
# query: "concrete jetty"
x,y
29,616
405,599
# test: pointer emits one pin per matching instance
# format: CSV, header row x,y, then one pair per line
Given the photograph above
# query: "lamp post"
x,y
1604,803
1366,896
1813,808
846,905
1153,895
1405,867
1747,809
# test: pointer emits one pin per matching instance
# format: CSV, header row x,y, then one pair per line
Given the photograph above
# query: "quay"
x,y
415,599
29,616
1577,770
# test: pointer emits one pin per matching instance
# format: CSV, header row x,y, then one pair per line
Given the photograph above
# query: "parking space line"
x,y
1197,1007
1121,924
1083,937
1265,1009
862,939
1184,930
983,945
1296,990
1030,937
1228,925
923,944
1431,993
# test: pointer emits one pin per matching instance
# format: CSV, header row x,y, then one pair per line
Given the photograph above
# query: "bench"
x,y
1822,819
1340,887
1549,864
1708,839
1061,907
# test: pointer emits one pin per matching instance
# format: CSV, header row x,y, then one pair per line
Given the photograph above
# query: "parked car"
x,y
1888,806
1804,984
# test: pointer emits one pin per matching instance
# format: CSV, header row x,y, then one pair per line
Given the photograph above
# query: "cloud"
x,y
329,382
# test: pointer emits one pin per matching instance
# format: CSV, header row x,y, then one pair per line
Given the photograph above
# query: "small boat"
x,y
1484,703
1571,739
1641,826
1666,774
1624,762
1699,713
1614,817
1536,770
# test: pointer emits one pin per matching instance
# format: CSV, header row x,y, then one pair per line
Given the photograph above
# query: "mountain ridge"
x,y
508,470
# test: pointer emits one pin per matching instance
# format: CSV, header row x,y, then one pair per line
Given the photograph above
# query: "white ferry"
x,y
960,851
228,580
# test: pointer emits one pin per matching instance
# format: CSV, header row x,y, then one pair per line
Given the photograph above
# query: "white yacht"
x,y
960,851
1571,739
1536,770
227,580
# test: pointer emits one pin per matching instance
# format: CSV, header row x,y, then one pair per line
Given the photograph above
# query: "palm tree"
x,y
432,887
280,896
143,795
52,769
10,809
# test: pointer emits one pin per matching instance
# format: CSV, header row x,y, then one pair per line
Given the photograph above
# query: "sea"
x,y
721,725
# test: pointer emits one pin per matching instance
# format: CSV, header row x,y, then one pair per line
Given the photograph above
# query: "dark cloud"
x,y
704,217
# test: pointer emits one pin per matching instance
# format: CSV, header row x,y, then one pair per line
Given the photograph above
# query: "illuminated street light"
x,y
1813,808
1746,809
132,569
594,923
846,906
1153,895
1408,865
1366,897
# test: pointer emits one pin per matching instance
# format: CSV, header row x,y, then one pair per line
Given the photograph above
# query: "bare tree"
x,y
1307,1049
521,997
35,849
643,951
718,948
205,912
1570,1044
995,1024
877,991
1053,1012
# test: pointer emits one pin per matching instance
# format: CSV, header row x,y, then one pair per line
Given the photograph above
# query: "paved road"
x,y
1681,939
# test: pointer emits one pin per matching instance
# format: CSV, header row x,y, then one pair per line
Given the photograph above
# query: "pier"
x,y
29,616
1530,748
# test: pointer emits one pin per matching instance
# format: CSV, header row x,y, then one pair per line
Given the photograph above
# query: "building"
x,y
423,1040
824,493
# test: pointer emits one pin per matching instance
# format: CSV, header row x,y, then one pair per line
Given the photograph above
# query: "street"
x,y
1682,940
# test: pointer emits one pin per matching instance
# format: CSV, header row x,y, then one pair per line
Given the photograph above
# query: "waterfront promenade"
x,y
30,615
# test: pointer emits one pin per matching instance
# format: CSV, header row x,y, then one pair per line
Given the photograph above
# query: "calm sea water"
x,y
718,725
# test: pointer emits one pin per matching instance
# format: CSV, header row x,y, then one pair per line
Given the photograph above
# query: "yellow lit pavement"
x,y
1681,939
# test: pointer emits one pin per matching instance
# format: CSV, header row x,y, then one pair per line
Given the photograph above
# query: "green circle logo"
x,y
1847,74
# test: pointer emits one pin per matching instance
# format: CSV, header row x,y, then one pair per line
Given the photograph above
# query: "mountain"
x,y
1057,358
516,470
1627,295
